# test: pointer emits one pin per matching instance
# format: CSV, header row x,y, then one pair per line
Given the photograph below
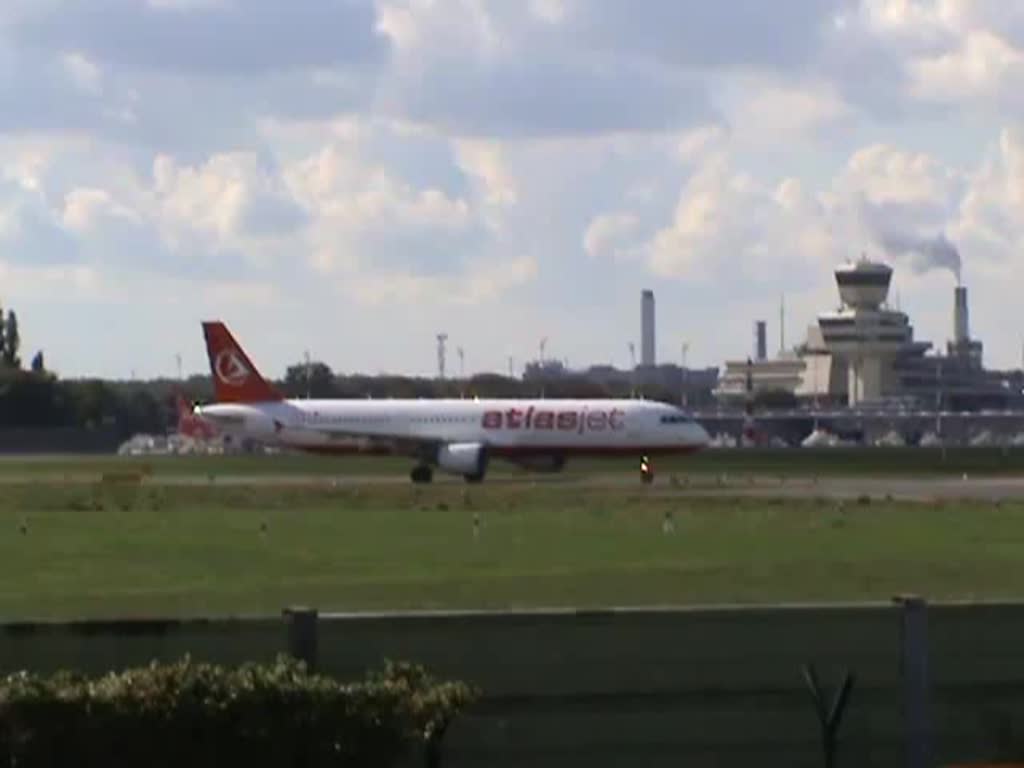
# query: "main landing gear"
x,y
421,473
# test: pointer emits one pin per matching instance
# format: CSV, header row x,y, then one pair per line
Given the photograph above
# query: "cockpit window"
x,y
674,419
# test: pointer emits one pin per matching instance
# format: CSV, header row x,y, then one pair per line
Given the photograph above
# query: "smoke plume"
x,y
925,252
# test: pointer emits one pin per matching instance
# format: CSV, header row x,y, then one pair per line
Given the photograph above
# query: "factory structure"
x,y
863,355
858,371
691,387
647,329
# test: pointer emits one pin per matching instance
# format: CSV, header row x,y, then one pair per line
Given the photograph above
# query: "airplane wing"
x,y
396,443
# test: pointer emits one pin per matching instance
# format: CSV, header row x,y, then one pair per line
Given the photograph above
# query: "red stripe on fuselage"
x,y
509,451
344,450
521,451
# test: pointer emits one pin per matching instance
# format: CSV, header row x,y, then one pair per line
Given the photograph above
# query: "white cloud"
x,y
991,216
695,144
887,175
410,152
728,225
983,67
483,160
230,197
485,282
549,11
719,221
43,282
83,71
611,234
187,5
85,209
364,215
774,111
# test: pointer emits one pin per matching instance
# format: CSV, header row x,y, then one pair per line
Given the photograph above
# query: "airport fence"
x,y
902,683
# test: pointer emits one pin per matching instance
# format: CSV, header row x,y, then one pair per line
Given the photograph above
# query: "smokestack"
x,y
647,328
760,340
961,332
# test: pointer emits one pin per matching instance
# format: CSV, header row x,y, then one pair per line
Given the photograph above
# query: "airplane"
x,y
454,436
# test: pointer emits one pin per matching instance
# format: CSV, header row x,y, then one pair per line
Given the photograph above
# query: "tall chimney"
x,y
760,340
647,328
961,334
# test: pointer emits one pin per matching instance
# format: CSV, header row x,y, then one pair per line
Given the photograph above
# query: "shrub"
x,y
190,715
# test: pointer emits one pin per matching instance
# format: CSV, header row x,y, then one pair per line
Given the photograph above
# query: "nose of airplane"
x,y
698,435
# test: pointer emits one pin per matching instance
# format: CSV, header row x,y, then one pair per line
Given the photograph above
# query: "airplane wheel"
x,y
421,474
477,478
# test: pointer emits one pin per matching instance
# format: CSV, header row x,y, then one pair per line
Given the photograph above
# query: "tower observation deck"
x,y
864,333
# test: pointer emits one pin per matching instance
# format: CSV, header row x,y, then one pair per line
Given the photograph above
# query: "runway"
x,y
989,488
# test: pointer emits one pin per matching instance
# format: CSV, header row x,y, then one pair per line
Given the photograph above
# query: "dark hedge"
x,y
190,715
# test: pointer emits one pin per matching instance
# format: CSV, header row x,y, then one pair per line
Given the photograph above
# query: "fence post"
x,y
302,634
914,672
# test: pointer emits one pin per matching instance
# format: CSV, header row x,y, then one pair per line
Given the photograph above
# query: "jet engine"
x,y
467,459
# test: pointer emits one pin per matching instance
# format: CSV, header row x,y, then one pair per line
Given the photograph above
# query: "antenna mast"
x,y
782,324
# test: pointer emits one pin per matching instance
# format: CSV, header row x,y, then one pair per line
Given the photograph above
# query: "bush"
x,y
189,715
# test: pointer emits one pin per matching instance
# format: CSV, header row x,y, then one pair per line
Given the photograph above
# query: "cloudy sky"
x,y
353,176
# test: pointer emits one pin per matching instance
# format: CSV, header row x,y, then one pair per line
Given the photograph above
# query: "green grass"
x,y
90,550
789,462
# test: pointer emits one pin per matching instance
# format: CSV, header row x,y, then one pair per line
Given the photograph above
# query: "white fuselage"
x,y
508,428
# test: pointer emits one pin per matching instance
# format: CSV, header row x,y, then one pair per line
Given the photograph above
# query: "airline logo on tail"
x,y
231,369
235,378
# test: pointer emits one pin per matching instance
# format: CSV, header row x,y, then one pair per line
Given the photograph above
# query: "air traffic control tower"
x,y
864,333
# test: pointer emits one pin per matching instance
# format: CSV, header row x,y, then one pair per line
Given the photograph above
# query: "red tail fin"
x,y
191,425
235,378
184,409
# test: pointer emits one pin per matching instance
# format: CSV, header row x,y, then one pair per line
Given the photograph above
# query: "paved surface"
x,y
912,488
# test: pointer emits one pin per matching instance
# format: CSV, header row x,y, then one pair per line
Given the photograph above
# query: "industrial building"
x,y
647,328
863,354
691,387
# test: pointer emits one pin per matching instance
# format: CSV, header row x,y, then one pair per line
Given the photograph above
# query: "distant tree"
x,y
140,412
3,337
493,385
317,379
38,365
95,402
33,401
12,341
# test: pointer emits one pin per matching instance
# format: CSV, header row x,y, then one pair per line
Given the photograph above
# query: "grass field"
x,y
110,549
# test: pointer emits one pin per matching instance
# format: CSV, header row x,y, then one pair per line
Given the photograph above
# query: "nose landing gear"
x,y
646,471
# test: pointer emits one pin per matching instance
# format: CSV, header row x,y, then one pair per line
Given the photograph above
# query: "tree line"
x,y
35,397
38,398
318,380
